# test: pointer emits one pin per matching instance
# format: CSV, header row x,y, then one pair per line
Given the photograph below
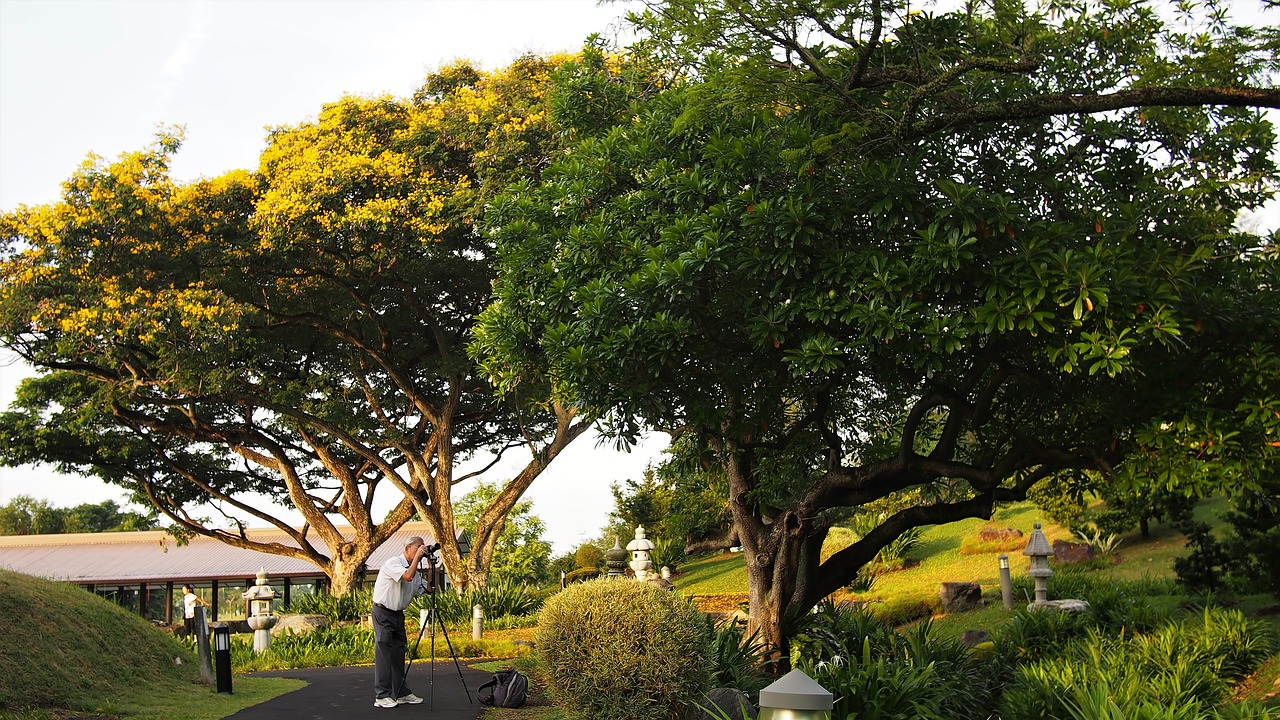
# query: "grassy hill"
x,y
62,649
720,582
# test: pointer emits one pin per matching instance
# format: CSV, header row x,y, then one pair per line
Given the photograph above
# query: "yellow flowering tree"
x,y
297,332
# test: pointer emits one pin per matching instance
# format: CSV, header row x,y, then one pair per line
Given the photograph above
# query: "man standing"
x,y
398,584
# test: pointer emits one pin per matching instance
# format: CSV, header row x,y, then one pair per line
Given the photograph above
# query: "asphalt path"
x,y
346,693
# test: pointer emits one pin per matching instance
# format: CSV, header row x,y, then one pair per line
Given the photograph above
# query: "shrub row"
x,y
1041,665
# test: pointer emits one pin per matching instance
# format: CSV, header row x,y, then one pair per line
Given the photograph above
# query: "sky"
x,y
100,76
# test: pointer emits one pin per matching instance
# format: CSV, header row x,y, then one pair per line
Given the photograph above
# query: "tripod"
x,y
432,572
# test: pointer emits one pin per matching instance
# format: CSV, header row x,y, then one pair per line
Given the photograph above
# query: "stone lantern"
x,y
615,559
261,619
640,548
1039,551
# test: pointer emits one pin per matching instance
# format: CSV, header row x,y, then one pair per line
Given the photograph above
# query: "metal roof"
x,y
155,556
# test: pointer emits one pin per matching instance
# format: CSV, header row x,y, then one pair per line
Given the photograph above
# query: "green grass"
x,y
940,560
713,575
67,651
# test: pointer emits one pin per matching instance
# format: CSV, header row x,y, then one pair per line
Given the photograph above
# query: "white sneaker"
x,y
409,699
386,702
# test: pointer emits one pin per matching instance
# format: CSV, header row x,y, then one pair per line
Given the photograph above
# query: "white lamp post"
x,y
795,696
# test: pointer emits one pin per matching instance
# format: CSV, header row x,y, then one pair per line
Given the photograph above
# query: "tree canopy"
x,y
25,515
298,331
863,252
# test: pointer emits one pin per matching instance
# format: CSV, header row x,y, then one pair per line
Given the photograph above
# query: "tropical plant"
x,y
737,658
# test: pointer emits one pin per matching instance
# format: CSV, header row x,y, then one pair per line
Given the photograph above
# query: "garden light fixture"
x,y
795,696
222,656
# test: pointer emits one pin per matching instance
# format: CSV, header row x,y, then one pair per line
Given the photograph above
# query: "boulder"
x,y
299,624
1062,606
732,704
960,596
975,637
1070,553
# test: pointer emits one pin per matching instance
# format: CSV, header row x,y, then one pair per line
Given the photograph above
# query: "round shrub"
x,y
622,649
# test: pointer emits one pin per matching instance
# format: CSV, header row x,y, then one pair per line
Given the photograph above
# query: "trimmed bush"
x,y
622,649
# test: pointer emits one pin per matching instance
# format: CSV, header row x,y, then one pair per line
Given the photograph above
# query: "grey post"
x,y
202,646
1006,582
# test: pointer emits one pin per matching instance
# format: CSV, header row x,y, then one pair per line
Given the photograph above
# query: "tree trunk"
x,y
1144,527
344,573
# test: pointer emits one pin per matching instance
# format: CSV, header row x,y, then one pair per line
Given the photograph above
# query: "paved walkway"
x,y
346,693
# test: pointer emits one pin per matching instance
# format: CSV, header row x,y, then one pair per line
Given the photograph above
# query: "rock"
x,y
299,624
960,596
732,704
661,582
1071,553
991,533
525,643
975,637
1064,606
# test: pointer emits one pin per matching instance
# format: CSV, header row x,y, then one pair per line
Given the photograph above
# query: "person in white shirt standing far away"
x,y
398,584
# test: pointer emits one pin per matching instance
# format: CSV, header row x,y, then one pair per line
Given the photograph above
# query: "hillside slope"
x,y
63,647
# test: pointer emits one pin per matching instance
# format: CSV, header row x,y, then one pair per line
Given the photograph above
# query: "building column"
x,y
213,610
168,603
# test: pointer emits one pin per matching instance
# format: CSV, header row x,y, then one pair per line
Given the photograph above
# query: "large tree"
x,y
297,332
865,252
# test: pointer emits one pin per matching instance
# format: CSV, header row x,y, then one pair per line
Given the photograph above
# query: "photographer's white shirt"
x,y
391,591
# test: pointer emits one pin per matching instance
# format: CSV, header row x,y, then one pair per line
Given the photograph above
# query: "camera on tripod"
x,y
430,567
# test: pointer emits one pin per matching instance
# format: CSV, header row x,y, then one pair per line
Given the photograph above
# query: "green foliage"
x,y
624,650
499,599
521,554
25,515
338,608
581,574
351,645
956,262
737,658
892,556
1061,499
1180,664
588,556
876,673
682,500
1103,544
1244,557
667,552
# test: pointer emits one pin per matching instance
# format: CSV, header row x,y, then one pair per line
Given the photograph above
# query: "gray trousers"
x,y
389,645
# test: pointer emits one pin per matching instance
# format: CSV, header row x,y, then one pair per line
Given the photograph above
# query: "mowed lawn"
x,y
938,558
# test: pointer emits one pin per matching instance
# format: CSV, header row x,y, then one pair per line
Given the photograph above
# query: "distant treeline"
x,y
25,515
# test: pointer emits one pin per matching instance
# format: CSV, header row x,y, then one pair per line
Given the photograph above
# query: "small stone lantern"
x,y
261,619
615,559
640,548
1039,551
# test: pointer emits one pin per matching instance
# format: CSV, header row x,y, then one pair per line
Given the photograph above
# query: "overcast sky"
x,y
100,76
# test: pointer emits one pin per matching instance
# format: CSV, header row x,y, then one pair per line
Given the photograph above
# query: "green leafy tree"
x,y
25,515
866,251
298,332
679,502
521,554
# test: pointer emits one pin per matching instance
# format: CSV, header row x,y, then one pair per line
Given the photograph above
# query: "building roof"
x,y
155,556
